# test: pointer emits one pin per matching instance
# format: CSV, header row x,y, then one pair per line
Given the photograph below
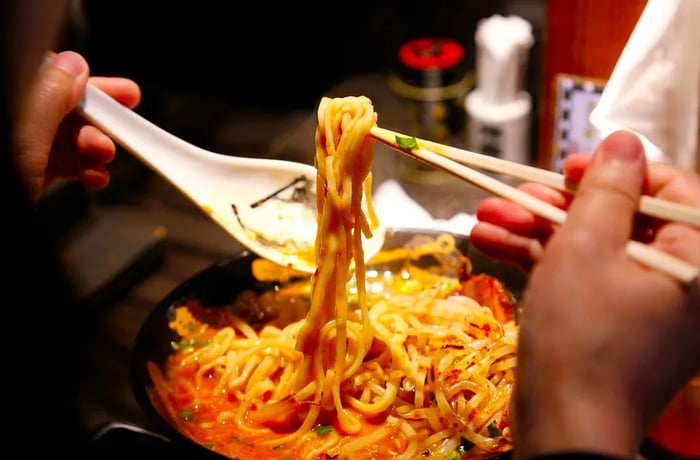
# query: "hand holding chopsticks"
x,y
451,160
651,206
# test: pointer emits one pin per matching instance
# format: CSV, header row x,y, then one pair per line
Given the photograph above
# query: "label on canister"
x,y
500,130
432,80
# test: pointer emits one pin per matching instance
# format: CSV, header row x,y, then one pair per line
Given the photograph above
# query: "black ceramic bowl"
x,y
217,286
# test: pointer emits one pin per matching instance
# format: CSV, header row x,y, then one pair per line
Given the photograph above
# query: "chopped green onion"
x,y
406,142
190,342
322,430
452,455
186,415
493,429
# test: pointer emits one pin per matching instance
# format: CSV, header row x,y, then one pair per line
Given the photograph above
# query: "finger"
x,y
674,184
676,239
90,170
513,218
57,89
68,131
664,181
124,90
93,143
613,181
90,149
503,245
63,163
77,134
575,165
548,194
95,178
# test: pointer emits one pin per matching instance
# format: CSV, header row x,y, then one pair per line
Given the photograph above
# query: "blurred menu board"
x,y
576,97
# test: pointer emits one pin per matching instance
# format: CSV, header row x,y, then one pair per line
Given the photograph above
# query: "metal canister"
x,y
431,78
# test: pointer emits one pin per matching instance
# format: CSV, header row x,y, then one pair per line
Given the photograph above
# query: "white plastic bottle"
x,y
499,129
499,110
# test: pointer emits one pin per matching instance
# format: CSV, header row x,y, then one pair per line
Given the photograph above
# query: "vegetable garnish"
x,y
406,142
322,430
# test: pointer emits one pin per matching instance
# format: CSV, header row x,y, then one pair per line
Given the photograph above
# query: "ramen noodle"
x,y
411,364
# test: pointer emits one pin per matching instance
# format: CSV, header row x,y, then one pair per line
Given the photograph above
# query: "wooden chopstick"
x,y
651,206
644,254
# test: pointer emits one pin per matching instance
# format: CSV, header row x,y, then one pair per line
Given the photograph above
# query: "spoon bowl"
x,y
268,205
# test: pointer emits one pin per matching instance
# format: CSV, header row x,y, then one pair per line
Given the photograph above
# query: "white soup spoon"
x,y
268,205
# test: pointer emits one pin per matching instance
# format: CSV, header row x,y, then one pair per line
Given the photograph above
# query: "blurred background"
x,y
246,80
263,56
217,65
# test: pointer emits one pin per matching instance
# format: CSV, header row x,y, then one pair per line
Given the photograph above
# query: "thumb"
x,y
612,182
57,90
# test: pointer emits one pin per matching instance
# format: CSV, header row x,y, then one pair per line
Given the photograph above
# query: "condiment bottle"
x,y
432,80
498,108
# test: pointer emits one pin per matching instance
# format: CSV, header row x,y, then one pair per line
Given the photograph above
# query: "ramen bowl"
x,y
234,283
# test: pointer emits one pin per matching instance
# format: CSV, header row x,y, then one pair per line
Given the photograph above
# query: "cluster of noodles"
x,y
423,372
334,347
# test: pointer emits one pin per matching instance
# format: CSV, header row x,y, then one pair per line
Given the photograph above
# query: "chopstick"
x,y
651,206
647,255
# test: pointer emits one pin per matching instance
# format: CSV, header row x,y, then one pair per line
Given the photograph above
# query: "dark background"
x,y
205,57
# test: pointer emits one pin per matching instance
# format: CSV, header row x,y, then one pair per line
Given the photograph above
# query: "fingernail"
x,y
70,62
623,146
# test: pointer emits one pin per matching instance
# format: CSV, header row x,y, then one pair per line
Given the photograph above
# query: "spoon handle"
x,y
143,139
